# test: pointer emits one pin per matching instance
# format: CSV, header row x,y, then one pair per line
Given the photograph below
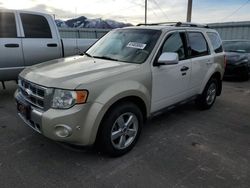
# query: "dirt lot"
x,y
182,148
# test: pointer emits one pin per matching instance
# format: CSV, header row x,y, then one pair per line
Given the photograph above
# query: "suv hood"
x,y
68,73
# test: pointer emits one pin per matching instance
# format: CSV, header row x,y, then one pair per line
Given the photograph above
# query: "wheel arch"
x,y
135,100
218,76
138,101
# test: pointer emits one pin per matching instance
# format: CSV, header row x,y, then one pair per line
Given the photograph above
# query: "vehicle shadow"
x,y
234,79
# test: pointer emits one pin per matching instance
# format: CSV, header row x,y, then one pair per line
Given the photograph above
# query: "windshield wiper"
x,y
106,57
239,51
87,54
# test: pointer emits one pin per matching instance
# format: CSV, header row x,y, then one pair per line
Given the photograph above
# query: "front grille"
x,y
32,93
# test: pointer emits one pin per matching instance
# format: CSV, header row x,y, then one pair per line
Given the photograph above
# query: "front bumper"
x,y
79,119
235,70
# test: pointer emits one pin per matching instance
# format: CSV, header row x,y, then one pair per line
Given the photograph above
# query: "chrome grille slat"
x,y
32,93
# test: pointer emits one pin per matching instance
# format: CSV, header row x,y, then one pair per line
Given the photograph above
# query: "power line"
x,y
138,4
157,4
226,17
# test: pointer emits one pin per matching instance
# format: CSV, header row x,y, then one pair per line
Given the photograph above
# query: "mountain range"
x,y
83,22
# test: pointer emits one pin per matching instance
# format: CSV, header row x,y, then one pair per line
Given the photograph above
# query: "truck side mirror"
x,y
168,58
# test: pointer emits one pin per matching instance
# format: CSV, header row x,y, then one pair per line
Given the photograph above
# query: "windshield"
x,y
237,46
126,45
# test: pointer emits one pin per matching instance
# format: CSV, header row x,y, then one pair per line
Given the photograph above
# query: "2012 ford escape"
x,y
104,96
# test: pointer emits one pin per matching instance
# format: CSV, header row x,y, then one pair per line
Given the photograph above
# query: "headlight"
x,y
64,99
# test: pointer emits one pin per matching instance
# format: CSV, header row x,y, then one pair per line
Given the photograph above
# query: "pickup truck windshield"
x,y
126,45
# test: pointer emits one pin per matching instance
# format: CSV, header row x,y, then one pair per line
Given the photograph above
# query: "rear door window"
x,y
35,26
216,42
7,25
197,44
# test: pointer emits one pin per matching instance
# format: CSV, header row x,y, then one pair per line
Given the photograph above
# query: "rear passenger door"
x,y
11,56
40,43
201,59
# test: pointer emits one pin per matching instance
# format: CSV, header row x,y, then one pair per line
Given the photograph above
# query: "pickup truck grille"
x,y
32,93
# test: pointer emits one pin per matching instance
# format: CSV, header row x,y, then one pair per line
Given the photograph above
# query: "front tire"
x,y
120,129
207,98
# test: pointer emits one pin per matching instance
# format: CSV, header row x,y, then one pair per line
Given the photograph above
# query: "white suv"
x,y
104,96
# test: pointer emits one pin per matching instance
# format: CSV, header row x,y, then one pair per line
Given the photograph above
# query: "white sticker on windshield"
x,y
136,45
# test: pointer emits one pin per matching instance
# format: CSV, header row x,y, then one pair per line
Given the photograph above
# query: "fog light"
x,y
63,131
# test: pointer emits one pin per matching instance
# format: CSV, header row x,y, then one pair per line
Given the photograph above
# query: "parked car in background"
x,y
238,58
28,38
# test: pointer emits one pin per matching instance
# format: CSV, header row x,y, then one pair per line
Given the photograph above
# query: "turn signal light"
x,y
81,96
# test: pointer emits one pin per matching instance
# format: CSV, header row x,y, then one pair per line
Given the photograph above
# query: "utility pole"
x,y
146,4
189,10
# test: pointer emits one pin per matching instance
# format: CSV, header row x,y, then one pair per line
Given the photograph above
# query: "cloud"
x,y
220,13
133,11
62,14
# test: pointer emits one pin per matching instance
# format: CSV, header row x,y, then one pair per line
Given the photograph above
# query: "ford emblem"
x,y
28,92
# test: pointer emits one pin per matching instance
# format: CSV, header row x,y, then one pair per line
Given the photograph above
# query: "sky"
x,y
132,11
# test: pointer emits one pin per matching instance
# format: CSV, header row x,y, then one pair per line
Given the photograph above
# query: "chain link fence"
x,y
82,33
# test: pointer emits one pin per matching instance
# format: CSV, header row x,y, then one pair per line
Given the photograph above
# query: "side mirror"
x,y
168,58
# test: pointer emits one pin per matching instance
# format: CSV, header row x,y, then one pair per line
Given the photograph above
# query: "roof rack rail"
x,y
176,24
160,23
190,24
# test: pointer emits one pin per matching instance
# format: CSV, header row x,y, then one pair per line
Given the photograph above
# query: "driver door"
x,y
171,82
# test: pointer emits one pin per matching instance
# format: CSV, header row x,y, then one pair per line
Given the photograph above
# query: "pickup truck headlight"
x,y
64,99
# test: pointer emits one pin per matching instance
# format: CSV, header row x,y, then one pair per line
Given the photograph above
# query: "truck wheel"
x,y
120,129
207,98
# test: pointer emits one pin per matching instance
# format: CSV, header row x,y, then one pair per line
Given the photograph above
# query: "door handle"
x,y
184,68
11,45
209,62
52,45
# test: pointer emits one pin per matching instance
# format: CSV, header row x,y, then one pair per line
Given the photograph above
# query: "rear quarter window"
x,y
216,42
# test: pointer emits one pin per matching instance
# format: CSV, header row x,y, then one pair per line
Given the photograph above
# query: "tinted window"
x,y
35,26
174,43
198,44
237,46
7,25
216,42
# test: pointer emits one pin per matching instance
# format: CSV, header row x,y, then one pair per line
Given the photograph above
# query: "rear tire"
x,y
207,98
244,75
120,129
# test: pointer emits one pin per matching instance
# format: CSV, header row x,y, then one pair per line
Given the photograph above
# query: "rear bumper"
x,y
236,70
